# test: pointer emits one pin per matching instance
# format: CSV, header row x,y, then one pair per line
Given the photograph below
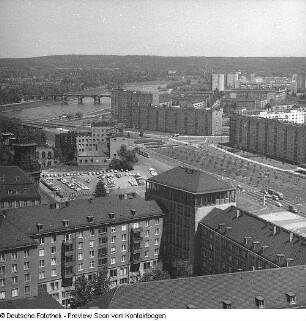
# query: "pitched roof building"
x,y
186,195
273,288
233,240
17,189
120,233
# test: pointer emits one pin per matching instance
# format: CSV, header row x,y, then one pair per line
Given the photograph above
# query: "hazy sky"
x,y
153,27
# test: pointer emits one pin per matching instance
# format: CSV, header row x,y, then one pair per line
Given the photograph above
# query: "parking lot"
x,y
78,184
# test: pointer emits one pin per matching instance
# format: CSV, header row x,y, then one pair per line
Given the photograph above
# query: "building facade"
x,y
120,234
17,189
217,82
233,240
45,156
260,94
122,100
271,137
25,158
18,263
186,196
231,80
189,121
294,116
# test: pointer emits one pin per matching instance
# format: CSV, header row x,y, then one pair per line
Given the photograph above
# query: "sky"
x,y
211,28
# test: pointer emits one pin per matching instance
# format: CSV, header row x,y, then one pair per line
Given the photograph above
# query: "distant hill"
x,y
260,65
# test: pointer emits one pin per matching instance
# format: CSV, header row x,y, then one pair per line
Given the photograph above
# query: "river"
x,y
46,110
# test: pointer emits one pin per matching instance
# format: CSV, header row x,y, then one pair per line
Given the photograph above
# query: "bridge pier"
x,y
80,100
97,100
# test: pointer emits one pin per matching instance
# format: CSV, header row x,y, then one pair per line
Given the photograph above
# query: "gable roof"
x,y
258,229
15,179
190,180
42,301
209,291
76,213
10,173
11,237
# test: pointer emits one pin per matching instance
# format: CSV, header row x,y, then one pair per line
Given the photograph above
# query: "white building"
x,y
294,116
217,82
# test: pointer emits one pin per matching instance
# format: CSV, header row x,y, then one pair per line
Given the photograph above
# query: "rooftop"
x,y
239,289
11,236
83,213
42,301
190,180
277,239
16,180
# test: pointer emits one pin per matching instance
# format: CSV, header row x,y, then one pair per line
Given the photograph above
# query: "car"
x,y
151,169
115,171
274,198
278,204
293,209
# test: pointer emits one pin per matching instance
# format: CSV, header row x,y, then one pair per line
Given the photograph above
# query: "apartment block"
x,y
233,240
122,100
271,137
217,82
120,234
186,196
189,121
18,263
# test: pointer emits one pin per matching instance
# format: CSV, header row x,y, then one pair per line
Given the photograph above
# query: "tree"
x,y
79,115
127,159
100,190
82,292
155,274
86,290
181,269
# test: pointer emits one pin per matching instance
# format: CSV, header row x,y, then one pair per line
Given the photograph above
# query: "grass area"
x,y
246,172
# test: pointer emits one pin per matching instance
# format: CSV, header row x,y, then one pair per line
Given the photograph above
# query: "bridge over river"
x,y
65,97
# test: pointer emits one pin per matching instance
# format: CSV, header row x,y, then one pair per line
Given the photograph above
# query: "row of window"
x,y
15,292
16,204
27,278
14,255
102,229
14,268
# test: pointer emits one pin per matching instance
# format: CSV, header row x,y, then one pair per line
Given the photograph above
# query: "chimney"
x,y
39,226
288,259
111,215
291,237
220,227
246,239
238,213
263,247
280,258
227,228
90,219
133,211
121,196
65,222
255,245
125,196
227,304
57,205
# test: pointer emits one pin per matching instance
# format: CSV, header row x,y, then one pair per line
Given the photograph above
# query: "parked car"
x,y
293,209
278,204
